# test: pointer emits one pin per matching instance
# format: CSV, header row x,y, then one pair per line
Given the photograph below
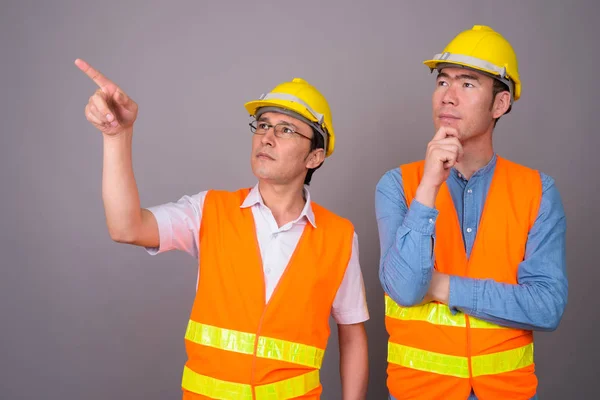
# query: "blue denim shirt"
x,y
537,302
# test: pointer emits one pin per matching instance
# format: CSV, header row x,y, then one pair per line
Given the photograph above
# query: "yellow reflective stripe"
x,y
434,313
224,390
503,361
243,342
289,388
224,339
481,324
276,349
443,364
429,361
214,388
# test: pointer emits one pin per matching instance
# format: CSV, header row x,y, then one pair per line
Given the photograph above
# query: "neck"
x,y
477,153
285,201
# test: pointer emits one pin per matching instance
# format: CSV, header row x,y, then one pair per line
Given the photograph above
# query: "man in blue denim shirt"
x,y
477,83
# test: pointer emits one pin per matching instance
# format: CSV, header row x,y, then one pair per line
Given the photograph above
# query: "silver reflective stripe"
x,y
496,71
476,62
288,97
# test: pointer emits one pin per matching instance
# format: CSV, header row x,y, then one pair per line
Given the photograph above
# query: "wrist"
x,y
426,194
119,135
440,287
118,145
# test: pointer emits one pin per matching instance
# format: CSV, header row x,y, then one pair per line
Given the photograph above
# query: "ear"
x,y
315,158
501,104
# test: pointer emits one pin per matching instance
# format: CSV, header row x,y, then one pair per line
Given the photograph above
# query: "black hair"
x,y
317,142
498,88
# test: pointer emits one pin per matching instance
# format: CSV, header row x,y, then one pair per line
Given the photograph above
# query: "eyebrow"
x,y
265,119
461,76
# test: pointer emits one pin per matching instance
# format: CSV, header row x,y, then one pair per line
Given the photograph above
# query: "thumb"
x,y
123,100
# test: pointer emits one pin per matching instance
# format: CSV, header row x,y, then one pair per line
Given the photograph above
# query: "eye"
x,y
442,83
468,85
263,126
287,130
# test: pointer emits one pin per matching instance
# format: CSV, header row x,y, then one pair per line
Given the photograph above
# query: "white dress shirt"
x,y
179,227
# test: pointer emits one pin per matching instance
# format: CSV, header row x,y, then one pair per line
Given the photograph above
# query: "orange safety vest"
x,y
434,354
239,346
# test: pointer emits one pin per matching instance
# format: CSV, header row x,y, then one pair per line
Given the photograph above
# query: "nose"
x,y
268,139
449,96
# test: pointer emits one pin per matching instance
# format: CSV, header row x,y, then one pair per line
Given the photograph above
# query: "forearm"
x,y
532,305
539,299
406,236
354,364
406,268
404,276
119,189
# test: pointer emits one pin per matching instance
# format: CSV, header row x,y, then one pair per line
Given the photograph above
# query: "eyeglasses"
x,y
281,130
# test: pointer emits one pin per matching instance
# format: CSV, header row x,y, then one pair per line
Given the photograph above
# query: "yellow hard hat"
x,y
305,101
483,49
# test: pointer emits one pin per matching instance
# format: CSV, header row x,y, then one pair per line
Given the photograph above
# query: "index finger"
x,y
95,75
444,132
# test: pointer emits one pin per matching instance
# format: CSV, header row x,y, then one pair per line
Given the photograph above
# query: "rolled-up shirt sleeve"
x,y
179,224
350,303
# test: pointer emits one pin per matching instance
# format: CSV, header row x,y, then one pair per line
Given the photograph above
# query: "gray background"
x,y
84,318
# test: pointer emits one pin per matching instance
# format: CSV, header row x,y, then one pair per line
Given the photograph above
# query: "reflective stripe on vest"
x,y
243,342
223,390
434,313
444,364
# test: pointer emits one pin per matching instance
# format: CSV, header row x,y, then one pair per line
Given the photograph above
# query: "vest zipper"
x,y
262,317
260,322
468,323
254,357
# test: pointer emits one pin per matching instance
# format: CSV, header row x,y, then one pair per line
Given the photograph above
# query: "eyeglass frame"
x,y
254,129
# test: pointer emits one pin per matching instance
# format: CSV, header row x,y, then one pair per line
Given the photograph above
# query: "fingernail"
x,y
109,117
114,123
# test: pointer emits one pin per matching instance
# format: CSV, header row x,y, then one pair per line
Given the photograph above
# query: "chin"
x,y
262,173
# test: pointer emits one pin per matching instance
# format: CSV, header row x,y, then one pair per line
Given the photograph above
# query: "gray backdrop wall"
x,y
84,318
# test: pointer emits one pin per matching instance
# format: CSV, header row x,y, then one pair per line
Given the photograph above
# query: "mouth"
x,y
264,156
448,118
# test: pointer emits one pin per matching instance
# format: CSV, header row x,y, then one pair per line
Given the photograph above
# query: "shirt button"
x,y
459,175
431,220
470,191
469,230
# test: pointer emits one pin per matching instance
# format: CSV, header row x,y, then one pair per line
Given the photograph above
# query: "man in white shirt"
x,y
297,240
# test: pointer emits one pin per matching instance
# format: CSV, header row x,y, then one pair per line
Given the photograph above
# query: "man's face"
x,y
462,100
281,160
